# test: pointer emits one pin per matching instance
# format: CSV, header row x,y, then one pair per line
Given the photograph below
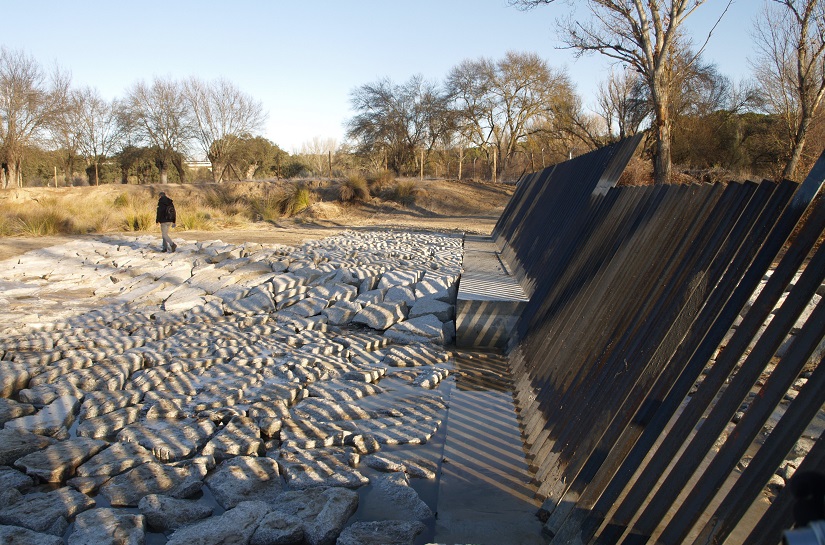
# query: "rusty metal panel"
x,y
556,315
779,516
594,326
788,430
678,292
608,314
625,351
719,378
629,304
547,207
716,378
575,519
567,276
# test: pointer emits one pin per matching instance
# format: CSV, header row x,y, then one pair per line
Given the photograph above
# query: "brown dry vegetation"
x,y
245,211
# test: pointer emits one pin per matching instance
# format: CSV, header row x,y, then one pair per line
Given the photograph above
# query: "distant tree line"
x,y
488,118
149,135
518,113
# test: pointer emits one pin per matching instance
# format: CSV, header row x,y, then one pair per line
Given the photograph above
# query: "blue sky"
x,y
302,59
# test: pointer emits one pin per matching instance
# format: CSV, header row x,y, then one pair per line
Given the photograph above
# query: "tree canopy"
x,y
645,36
491,118
396,120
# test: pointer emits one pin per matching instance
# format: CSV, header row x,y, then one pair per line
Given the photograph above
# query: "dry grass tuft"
x,y
268,206
354,188
297,199
209,206
380,181
405,193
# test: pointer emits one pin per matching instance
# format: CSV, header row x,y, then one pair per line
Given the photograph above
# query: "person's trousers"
x,y
164,233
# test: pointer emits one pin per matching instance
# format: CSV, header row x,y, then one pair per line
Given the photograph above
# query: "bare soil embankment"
x,y
439,205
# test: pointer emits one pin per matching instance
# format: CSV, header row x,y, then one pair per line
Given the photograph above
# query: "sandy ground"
x,y
445,206
291,233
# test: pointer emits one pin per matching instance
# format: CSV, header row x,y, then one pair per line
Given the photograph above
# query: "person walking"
x,y
166,218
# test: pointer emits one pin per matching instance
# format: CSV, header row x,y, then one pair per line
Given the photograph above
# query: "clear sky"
x,y
302,59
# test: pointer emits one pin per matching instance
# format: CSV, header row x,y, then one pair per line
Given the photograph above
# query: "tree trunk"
x,y
217,171
163,168
796,149
69,166
91,175
180,166
13,173
661,161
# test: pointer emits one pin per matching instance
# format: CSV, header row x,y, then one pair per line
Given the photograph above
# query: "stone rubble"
x,y
46,512
266,377
165,513
12,479
417,468
396,491
236,525
23,536
127,489
107,526
391,532
804,445
59,461
16,444
245,478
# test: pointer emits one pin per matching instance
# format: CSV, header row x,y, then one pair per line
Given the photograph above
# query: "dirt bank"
x,y
447,206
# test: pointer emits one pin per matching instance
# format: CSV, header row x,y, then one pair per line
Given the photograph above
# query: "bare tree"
x,y
131,151
222,115
30,102
161,117
699,89
64,138
642,34
91,123
619,103
394,121
572,127
317,153
501,103
790,66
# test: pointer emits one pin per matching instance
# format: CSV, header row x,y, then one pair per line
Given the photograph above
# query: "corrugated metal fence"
x,y
642,344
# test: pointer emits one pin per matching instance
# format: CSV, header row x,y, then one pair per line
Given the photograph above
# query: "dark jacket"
x,y
166,211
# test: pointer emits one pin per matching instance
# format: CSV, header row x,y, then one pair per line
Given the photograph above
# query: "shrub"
x,y
199,220
380,180
354,188
44,222
7,227
100,222
403,193
268,207
138,220
122,200
637,172
226,199
89,212
295,169
296,200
